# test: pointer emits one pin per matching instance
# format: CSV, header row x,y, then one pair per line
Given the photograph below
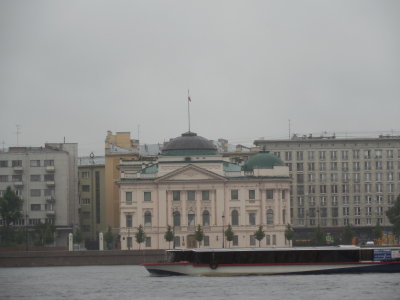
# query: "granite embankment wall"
x,y
78,258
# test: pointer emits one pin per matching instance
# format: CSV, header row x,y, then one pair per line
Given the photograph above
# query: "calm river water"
x,y
133,282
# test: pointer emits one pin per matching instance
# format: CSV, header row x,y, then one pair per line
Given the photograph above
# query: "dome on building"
x,y
189,143
262,160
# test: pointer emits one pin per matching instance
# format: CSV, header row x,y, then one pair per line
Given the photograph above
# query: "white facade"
x,y
184,192
46,179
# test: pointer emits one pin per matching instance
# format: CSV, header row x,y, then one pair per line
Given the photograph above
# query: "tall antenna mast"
x,y
189,100
18,133
289,129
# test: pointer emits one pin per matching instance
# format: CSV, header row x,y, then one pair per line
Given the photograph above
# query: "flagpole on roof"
x,y
189,100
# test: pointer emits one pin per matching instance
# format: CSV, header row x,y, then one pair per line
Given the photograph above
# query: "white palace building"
x,y
191,184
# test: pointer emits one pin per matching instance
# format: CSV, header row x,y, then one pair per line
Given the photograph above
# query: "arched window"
x,y
206,218
147,218
270,217
191,219
177,218
235,218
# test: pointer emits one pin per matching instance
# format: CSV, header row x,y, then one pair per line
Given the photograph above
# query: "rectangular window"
x,y
191,195
128,197
85,201
335,212
367,154
322,166
16,178
299,155
177,241
234,195
345,155
35,207
235,241
321,155
310,155
147,196
35,163
270,194
148,241
252,218
368,211
35,193
274,239
176,195
16,163
206,241
49,177
3,164
35,177
333,155
3,178
311,166
288,156
129,242
357,211
129,220
85,174
205,195
389,153
299,167
49,163
334,166
252,194
85,188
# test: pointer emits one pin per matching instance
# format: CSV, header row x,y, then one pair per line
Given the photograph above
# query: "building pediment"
x,y
190,173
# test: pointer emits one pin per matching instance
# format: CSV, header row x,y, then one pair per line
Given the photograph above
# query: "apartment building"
x,y
46,178
340,181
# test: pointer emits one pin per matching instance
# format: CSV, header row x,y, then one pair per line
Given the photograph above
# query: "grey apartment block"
x,y
340,181
46,178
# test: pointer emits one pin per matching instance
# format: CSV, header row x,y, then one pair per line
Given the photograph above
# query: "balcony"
x,y
50,169
50,213
18,169
18,183
50,183
50,199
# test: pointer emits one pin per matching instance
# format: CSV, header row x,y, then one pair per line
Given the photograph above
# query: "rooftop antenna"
x,y
138,132
4,149
18,133
189,100
289,129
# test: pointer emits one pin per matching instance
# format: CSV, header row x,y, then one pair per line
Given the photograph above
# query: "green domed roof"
x,y
262,160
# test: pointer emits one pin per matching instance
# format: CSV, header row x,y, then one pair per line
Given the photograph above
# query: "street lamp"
x,y
223,231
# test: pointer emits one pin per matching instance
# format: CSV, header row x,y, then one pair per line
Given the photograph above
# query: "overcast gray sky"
x,y
76,69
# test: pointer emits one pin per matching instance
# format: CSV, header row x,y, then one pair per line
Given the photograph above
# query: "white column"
x,y
70,242
101,243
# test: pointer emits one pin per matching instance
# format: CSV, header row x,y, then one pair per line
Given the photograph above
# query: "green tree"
x,y
10,212
393,214
259,235
109,238
289,233
43,234
229,234
140,235
169,236
77,236
377,231
199,235
319,238
347,235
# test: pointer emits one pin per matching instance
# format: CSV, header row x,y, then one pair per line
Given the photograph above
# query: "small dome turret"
x,y
262,160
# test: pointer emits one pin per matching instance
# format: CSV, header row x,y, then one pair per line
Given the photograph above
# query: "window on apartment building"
x,y
85,174
310,155
16,178
128,197
357,188
379,199
129,221
35,193
35,177
35,163
334,189
205,195
379,211
345,166
268,239
390,176
3,164
334,177
299,155
311,177
48,163
367,188
252,218
300,201
176,195
389,153
311,189
49,177
235,217
356,154
191,218
206,218
191,195
300,167
312,201
390,188
235,241
288,155
300,178
323,201
3,178
322,155
378,187
368,211
270,217
283,195
345,200
234,194
389,165
85,201
16,163
334,166
333,155
34,221
311,166
357,177
270,194
367,154
176,218
322,166
35,207
85,188
357,211
300,212
390,199
147,219
147,196
367,165
322,189
335,212
368,199
378,154
335,201
378,165
277,154
345,154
